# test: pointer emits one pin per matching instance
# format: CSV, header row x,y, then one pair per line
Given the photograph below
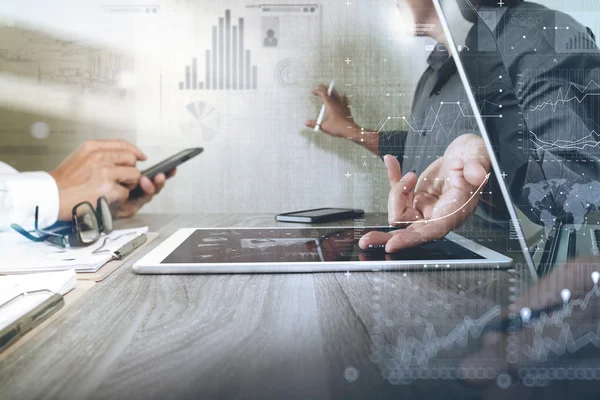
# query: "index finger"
x,y
336,95
374,239
120,157
116,145
171,173
394,171
416,235
128,176
321,91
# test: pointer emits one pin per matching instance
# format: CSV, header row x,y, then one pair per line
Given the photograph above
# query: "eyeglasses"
x,y
85,229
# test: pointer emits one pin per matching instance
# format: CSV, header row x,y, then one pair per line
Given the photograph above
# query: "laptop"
x,y
559,238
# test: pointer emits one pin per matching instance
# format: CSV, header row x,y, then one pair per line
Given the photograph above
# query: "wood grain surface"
x,y
246,336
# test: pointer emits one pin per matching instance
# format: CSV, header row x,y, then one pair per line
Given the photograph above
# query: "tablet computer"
x,y
309,249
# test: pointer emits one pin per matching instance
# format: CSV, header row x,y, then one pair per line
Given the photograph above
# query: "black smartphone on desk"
x,y
320,215
164,167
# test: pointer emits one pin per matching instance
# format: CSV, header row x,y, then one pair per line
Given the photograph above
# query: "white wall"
x,y
261,159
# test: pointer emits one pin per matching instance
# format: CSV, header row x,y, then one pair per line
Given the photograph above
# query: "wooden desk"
x,y
246,336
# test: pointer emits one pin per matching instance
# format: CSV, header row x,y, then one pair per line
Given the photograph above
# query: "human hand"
x,y
438,201
336,122
98,168
128,207
543,342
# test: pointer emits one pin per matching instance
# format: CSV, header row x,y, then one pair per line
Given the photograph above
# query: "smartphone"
x,y
164,167
319,215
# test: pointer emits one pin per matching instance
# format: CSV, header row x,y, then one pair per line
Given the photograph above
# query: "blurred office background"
x,y
77,70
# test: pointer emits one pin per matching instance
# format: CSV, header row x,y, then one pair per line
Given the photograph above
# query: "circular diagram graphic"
x,y
207,121
287,72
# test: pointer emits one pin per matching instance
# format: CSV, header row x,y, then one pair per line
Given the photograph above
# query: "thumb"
x,y
475,172
394,171
311,123
470,155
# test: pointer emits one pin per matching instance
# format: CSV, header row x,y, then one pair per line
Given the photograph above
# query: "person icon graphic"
x,y
270,40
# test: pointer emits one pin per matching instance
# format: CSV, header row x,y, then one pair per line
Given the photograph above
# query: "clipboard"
x,y
69,299
111,266
85,281
41,304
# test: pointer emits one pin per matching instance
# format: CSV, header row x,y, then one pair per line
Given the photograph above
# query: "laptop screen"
x,y
528,86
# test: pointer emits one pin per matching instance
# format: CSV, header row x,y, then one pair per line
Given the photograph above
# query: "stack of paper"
x,y
19,255
12,286
60,282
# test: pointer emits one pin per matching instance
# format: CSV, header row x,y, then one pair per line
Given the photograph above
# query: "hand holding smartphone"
x,y
164,167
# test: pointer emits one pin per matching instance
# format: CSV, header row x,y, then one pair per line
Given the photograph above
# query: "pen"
x,y
516,323
322,113
129,247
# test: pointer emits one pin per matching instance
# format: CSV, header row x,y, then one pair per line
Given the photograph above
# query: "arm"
x,y
392,143
20,193
105,168
98,168
340,123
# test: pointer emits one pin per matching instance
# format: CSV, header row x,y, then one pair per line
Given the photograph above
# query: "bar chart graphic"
x,y
581,42
227,65
571,39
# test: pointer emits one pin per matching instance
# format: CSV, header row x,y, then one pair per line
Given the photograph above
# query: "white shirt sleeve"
x,y
21,192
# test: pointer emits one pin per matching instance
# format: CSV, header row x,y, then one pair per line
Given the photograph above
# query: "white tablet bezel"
x,y
151,262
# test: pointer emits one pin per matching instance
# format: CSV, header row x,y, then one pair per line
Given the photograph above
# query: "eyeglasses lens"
x,y
87,223
107,221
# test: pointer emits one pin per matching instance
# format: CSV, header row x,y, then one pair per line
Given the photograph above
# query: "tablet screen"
x,y
300,245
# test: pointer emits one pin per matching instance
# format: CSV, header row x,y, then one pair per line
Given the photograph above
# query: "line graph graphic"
x,y
528,42
589,141
415,357
410,351
567,98
433,115
566,341
427,337
426,221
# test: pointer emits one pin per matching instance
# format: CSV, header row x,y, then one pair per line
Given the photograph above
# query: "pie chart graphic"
x,y
206,120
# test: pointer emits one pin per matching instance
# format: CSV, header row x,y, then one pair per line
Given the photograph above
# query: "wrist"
x,y
353,132
56,176
367,139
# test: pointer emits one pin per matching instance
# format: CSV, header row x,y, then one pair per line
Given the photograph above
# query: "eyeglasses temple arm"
x,y
28,235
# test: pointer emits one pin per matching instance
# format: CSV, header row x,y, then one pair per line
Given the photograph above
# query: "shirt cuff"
x,y
27,190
